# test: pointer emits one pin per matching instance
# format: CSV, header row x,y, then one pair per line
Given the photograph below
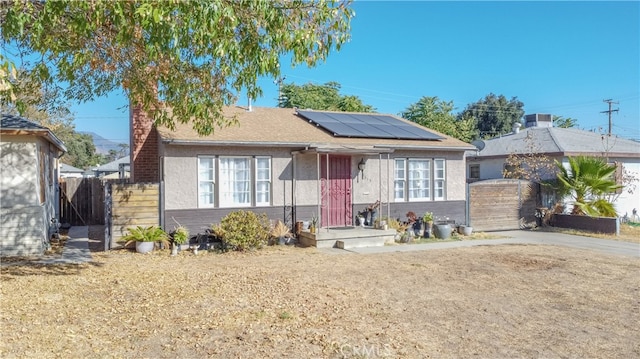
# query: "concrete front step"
x,y
347,237
360,242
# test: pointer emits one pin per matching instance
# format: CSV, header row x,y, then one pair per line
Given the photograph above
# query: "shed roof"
x,y
283,127
560,141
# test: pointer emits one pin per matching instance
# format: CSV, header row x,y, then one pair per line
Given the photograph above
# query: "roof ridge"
x,y
552,134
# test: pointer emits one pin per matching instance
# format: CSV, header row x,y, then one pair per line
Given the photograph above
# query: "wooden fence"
x,y
502,204
132,204
82,201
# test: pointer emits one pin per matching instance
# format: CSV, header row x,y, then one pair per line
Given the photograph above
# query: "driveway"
x,y
520,237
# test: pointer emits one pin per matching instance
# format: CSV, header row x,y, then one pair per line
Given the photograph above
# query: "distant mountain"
x,y
103,146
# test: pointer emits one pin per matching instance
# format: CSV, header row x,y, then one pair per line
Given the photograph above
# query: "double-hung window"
x,y
419,179
263,181
234,181
206,181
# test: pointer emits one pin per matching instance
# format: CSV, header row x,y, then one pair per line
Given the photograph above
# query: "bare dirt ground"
x,y
486,301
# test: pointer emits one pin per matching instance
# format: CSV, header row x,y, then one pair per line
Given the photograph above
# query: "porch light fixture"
x,y
361,165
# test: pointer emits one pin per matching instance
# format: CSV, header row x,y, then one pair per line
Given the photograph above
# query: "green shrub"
x,y
242,230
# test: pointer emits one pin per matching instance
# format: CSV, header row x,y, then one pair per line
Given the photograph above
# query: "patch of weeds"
x,y
285,315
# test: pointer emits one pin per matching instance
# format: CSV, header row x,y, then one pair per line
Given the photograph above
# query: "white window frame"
x,y
227,193
427,182
439,179
211,182
264,181
399,179
419,180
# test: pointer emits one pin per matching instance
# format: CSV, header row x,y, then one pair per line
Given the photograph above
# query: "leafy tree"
x,y
436,114
43,105
589,180
179,60
320,97
562,122
495,115
530,164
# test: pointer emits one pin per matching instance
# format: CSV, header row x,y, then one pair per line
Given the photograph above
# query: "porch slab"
x,y
346,237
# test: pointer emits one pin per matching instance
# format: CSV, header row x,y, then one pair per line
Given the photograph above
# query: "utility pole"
x,y
278,82
610,102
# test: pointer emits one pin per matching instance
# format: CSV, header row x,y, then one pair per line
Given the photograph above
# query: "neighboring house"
x,y
68,171
28,186
117,169
559,144
293,164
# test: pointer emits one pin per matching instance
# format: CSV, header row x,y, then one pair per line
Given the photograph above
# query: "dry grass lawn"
x,y
486,301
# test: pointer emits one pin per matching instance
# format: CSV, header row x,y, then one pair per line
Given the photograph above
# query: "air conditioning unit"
x,y
538,120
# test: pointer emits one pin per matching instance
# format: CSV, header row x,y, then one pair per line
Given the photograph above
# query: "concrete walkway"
x,y
514,237
76,249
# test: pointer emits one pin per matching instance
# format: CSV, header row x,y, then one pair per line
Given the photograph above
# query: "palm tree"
x,y
588,180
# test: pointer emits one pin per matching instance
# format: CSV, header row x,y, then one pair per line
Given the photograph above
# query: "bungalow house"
x,y
294,164
29,156
118,169
539,136
68,171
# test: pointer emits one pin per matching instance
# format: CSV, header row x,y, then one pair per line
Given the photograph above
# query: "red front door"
x,y
336,191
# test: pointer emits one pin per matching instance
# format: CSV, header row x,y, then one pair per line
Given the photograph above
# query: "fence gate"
x,y
501,204
82,201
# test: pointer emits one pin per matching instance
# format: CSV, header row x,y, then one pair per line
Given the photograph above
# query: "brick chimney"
x,y
145,160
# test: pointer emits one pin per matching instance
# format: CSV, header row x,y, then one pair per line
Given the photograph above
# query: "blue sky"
x,y
562,58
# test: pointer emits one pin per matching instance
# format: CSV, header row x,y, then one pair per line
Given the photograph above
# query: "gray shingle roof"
x,y
114,166
16,125
560,141
69,169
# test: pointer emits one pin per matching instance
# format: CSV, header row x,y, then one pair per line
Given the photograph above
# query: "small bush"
x,y
180,235
145,234
242,230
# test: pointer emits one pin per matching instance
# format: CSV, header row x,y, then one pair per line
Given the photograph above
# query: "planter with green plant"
x,y
145,238
427,220
178,237
313,223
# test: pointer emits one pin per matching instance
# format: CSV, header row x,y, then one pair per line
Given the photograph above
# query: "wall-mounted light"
x,y
362,165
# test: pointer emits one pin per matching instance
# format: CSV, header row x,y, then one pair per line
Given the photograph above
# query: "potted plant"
x,y
178,237
313,223
145,237
280,232
427,220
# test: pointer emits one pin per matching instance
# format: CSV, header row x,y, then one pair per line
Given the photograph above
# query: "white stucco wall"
x,y
25,220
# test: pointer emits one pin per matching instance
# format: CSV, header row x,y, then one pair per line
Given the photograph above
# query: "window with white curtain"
x,y
414,179
206,181
235,181
419,180
263,181
242,181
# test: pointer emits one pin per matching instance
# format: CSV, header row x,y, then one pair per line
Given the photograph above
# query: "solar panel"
x,y
367,126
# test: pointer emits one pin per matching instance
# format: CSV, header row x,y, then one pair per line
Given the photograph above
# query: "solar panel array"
x,y
367,126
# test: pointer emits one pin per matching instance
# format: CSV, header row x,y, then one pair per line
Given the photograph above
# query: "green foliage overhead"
x,y
589,180
320,97
192,56
436,114
562,122
495,115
